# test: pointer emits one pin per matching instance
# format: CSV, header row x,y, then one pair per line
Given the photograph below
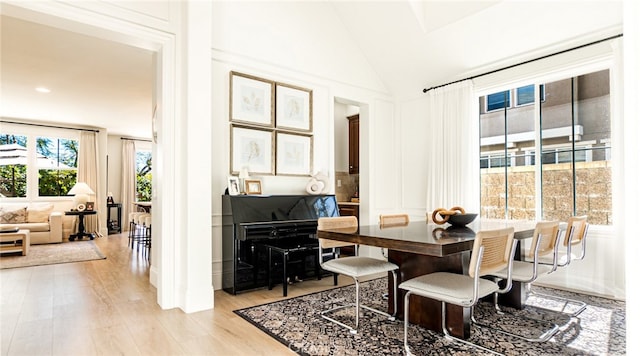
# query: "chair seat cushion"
x,y
523,271
357,266
449,287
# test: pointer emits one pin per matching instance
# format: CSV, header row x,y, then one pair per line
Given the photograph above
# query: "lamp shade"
x,y
81,191
81,188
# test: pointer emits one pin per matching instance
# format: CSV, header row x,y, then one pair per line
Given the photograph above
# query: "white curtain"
x,y
128,184
453,166
88,173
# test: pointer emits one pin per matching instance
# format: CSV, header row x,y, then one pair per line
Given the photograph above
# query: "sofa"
x,y
45,221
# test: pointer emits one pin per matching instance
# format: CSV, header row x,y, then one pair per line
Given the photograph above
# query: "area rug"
x,y
76,251
599,330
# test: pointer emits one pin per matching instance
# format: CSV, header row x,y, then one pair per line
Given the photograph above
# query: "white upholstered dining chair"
x,y
546,238
355,267
575,235
493,250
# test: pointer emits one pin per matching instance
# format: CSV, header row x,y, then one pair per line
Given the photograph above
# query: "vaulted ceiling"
x,y
409,44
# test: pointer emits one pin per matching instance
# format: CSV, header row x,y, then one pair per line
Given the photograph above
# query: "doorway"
x,y
347,156
163,269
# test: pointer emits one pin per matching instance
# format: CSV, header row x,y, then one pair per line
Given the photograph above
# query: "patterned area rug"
x,y
48,254
599,330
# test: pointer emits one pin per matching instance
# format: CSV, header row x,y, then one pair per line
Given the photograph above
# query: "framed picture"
x,y
294,154
90,205
252,148
253,186
233,185
251,100
293,108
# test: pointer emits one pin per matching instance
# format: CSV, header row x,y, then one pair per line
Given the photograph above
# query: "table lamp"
x,y
81,192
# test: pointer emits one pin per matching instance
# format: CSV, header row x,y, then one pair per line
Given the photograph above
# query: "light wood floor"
x,y
108,307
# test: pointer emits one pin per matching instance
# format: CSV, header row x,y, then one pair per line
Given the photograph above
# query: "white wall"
x,y
276,41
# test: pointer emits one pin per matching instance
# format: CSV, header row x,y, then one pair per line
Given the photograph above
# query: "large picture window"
x,y
34,165
566,146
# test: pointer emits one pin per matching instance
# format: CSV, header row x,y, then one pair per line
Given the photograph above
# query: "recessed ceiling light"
x,y
43,90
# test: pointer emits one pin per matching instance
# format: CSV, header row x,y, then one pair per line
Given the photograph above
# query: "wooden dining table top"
x,y
426,238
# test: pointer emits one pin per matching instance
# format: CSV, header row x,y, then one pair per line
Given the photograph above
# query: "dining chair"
x,y
574,235
546,238
391,220
387,220
355,267
493,250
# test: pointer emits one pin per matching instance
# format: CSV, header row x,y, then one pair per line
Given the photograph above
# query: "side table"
x,y
10,241
81,233
114,226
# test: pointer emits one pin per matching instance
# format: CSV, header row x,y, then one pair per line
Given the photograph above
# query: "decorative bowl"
x,y
461,219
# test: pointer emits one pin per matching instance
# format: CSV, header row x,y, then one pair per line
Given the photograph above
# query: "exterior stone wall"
x,y
593,192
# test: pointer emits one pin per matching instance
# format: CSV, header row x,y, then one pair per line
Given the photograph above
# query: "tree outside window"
x,y
143,175
13,166
57,165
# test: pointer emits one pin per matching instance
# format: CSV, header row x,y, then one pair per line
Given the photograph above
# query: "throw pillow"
x,y
39,213
13,214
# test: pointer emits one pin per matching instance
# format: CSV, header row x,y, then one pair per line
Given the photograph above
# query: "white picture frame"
x,y
233,185
251,100
294,154
252,148
294,107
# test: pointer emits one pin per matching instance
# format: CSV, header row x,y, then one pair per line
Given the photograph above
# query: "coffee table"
x,y
15,241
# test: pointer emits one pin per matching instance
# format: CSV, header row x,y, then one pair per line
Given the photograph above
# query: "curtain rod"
x,y
525,62
50,126
135,139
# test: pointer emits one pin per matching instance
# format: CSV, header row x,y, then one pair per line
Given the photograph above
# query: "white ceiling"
x,y
93,82
410,45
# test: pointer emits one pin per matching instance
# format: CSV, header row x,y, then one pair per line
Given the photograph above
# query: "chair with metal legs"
x,y
355,267
574,235
493,250
391,220
546,238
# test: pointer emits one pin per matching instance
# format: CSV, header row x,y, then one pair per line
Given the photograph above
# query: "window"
x,y
33,165
498,100
562,146
523,96
57,162
143,175
13,166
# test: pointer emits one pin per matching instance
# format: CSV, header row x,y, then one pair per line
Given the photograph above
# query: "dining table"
x,y
423,247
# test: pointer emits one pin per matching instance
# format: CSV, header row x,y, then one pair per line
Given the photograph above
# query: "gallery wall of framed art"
x,y
271,126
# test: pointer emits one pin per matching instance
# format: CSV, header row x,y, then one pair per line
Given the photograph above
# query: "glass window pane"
x,y
57,161
497,100
13,165
577,108
143,175
508,184
525,95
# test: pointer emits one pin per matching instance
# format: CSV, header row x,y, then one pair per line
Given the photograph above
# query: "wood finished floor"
x,y
108,307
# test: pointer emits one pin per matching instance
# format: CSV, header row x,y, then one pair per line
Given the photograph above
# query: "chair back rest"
x,y
576,230
497,254
338,223
545,237
394,220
